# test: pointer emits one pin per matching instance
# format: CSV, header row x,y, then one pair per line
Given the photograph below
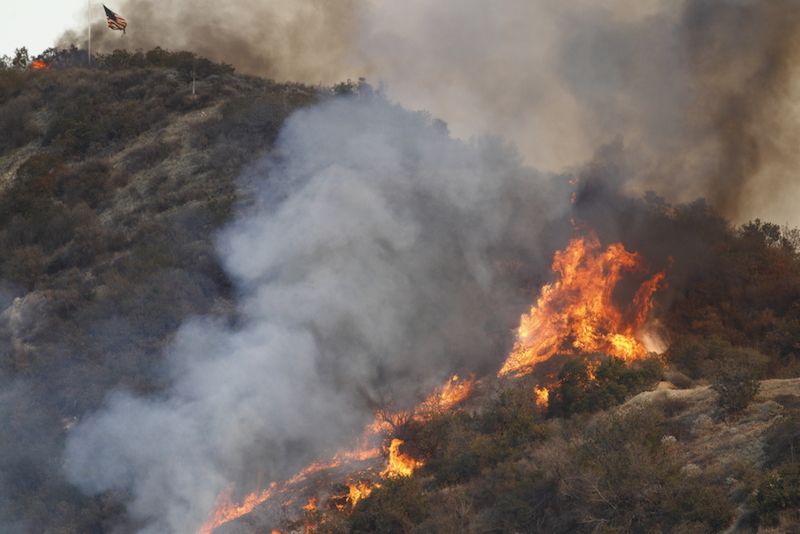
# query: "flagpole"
x,y
89,25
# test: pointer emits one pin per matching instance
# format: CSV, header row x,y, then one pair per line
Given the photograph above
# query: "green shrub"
x,y
735,390
779,491
736,373
23,266
397,506
519,497
16,124
513,418
783,441
150,154
12,82
614,381
89,184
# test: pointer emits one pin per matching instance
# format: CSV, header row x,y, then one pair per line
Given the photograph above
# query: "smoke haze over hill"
x,y
701,93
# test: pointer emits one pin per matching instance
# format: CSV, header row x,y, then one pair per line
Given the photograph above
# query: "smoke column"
x,y
701,92
369,268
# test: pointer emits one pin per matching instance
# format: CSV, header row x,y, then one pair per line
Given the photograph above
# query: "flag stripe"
x,y
114,21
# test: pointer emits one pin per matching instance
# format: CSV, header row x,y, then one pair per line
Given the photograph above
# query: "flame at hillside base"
x,y
444,398
574,314
577,314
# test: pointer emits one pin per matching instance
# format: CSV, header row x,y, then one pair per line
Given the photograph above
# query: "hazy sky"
x,y
37,24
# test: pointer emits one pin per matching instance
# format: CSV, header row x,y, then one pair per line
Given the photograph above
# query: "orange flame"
x,y
359,490
576,313
311,505
38,64
542,395
453,392
227,511
400,465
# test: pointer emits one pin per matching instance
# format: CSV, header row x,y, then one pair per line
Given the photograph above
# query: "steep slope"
x,y
111,189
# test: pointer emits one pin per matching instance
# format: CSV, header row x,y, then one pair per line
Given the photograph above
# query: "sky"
x,y
37,24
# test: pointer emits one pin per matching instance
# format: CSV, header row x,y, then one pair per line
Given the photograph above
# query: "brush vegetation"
x,y
113,181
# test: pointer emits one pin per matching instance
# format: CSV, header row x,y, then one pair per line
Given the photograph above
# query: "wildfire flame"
x,y
226,510
542,396
400,465
38,64
453,392
359,490
311,505
576,313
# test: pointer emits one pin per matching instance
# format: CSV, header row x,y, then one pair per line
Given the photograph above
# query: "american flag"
x,y
115,22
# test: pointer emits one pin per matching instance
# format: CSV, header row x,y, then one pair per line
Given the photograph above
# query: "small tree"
x,y
737,379
21,58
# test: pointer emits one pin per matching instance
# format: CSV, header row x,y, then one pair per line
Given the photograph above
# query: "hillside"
x,y
117,184
112,182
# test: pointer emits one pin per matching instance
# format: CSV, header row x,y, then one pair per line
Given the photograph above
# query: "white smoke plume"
x,y
368,268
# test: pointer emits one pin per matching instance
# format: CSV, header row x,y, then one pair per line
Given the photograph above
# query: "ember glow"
x,y
38,64
577,314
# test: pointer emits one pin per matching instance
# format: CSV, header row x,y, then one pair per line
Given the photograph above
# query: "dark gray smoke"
x,y
306,40
744,56
701,92
370,267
